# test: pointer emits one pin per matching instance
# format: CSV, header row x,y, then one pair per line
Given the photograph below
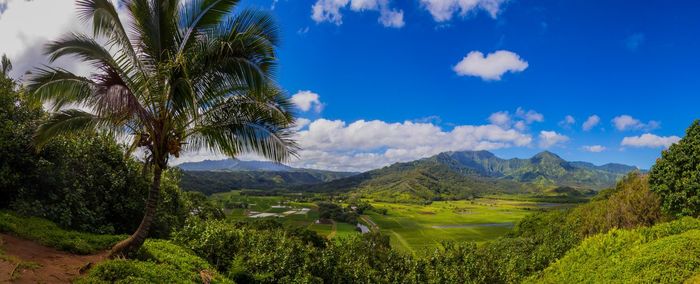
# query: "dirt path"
x,y
54,266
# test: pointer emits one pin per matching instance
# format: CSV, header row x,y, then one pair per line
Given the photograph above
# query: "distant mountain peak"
x,y
546,156
232,164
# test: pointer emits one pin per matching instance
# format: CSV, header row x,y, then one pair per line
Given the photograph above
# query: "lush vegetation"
x,y
158,261
179,76
49,234
198,76
676,175
209,182
328,210
665,253
467,175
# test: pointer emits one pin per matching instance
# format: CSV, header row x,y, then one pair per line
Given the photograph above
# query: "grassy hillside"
x,y
665,253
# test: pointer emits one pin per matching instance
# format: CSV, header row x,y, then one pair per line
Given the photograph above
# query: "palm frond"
x,y
59,86
202,14
64,122
5,65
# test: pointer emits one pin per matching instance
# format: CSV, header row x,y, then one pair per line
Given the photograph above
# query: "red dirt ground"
x,y
56,266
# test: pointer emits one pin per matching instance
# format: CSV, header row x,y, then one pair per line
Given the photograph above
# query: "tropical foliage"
x,y
676,175
180,76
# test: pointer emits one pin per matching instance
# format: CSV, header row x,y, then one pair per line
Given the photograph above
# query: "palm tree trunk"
x,y
135,241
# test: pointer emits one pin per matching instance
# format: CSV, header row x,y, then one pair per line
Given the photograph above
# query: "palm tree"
x,y
5,66
177,77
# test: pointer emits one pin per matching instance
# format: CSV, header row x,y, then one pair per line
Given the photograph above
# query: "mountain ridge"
x,y
459,174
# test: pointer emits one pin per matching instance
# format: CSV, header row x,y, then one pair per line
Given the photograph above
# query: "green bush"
x,y
676,175
665,253
157,261
49,234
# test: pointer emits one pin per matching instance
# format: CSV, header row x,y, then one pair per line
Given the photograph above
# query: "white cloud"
x,y
594,148
649,140
444,10
626,122
567,122
328,11
551,138
490,67
520,120
591,122
363,145
529,116
307,100
501,118
300,123
26,26
391,18
331,11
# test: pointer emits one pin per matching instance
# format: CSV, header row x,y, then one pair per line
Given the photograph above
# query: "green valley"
x,y
274,142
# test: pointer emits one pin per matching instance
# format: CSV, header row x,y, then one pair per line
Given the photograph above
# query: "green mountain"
x,y
545,169
458,175
213,181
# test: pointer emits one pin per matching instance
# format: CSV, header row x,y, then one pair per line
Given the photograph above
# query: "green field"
x,y
265,203
414,228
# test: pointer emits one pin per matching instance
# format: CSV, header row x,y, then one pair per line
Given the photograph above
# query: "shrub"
x,y
665,253
270,256
629,205
675,176
157,261
49,234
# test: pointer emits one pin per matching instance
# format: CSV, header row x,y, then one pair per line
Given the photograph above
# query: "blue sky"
x,y
382,81
604,58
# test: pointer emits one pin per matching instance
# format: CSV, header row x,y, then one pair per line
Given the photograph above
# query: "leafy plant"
x,y
47,233
178,77
676,175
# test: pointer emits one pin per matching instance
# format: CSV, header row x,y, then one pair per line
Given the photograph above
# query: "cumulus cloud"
x,y
649,140
591,122
391,18
334,144
368,144
331,11
490,67
24,37
567,122
307,100
519,120
551,138
501,118
626,122
594,148
529,116
444,10
300,123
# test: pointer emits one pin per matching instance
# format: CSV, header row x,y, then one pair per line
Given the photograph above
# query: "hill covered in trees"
x,y
209,182
456,175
